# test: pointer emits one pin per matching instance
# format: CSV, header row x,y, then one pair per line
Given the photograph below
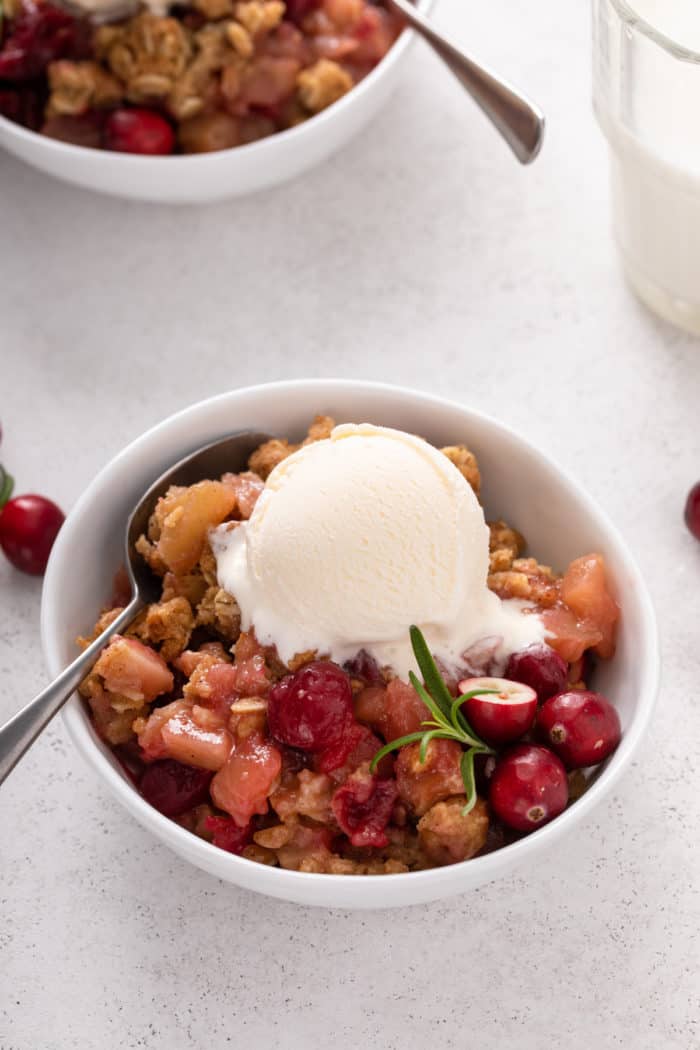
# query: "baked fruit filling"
x,y
336,761
186,77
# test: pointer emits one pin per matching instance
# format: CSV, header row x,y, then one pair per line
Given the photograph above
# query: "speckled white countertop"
x,y
421,254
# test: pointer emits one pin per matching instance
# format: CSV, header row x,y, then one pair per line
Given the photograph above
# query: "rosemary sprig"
x,y
447,721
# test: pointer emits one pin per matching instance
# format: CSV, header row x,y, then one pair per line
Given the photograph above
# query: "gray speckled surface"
x,y
421,254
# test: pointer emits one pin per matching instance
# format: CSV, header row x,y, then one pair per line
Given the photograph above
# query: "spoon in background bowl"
x,y
214,459
520,122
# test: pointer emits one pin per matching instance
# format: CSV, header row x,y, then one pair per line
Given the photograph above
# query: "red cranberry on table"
x,y
138,131
503,713
528,787
28,527
692,511
312,708
582,727
539,667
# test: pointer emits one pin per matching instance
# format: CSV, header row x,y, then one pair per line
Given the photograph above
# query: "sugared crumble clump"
x,y
279,763
209,75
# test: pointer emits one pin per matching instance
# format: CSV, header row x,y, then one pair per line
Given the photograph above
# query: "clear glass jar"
x,y
646,95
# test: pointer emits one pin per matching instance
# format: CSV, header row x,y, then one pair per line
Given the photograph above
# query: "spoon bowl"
x,y
211,460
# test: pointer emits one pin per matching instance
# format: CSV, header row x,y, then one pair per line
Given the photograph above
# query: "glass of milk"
x,y
646,92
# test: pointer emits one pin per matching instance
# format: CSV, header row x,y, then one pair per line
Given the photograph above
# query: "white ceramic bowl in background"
x,y
520,484
206,177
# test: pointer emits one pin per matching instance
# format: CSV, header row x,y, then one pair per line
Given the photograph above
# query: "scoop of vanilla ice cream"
x,y
359,536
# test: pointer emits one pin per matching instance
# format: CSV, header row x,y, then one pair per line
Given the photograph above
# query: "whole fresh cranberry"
x,y
582,727
227,835
28,527
692,511
40,34
362,806
312,708
528,787
539,667
138,131
172,788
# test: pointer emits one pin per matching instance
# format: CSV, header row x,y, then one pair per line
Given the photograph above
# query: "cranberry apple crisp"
x,y
342,765
208,75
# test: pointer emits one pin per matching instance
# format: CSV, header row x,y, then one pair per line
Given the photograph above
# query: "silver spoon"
x,y
228,454
519,121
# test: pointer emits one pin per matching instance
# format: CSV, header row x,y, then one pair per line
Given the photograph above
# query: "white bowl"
x,y
558,518
200,178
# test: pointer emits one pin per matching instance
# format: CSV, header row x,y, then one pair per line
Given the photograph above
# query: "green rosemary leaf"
x,y
431,676
400,741
428,700
464,725
467,770
459,721
432,735
455,712
475,692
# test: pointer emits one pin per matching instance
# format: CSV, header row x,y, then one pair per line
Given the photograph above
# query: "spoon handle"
x,y
519,121
17,735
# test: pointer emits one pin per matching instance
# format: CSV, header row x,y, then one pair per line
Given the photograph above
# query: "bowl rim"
x,y
273,880
313,126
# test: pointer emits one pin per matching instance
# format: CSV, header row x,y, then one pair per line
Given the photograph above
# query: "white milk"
x,y
648,103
